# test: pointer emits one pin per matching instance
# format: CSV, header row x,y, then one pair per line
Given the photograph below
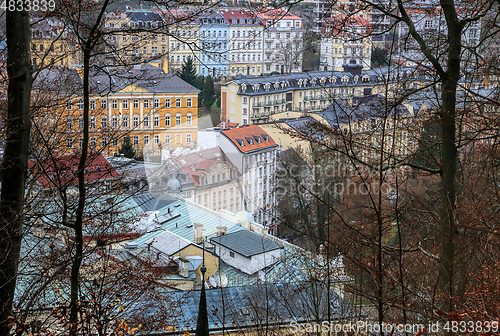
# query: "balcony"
x,y
257,116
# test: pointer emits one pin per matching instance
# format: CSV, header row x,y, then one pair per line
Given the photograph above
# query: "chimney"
x,y
221,230
198,232
184,267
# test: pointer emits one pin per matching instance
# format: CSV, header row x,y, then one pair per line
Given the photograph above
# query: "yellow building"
x,y
140,38
184,44
254,100
50,43
157,111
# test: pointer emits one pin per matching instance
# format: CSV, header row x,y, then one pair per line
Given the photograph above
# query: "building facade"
x,y
345,40
254,153
218,184
156,111
283,42
214,42
245,52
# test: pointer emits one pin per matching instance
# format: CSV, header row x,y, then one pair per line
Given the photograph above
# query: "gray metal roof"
x,y
246,243
255,306
168,242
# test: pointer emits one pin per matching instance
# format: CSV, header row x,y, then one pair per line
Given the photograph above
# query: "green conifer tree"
x,y
188,72
127,149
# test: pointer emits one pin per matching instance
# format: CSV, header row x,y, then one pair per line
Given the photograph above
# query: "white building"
x,y
253,152
283,41
247,251
345,40
245,44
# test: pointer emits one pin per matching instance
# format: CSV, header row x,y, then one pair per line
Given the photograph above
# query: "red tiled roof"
x,y
229,15
249,138
338,22
63,170
278,14
204,164
195,164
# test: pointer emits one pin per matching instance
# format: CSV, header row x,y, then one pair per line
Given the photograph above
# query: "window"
x,y
104,142
114,122
136,140
167,121
146,121
115,104
125,122
231,254
104,104
115,141
167,139
93,143
136,103
146,103
189,102
167,102
157,139
156,103
189,120
146,140
69,143
92,104
69,123
157,121
80,142
80,104
136,121
69,105
92,122
178,120
188,138
125,104
177,102
80,123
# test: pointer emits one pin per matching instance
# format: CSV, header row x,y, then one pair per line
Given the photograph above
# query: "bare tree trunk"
x,y
449,152
15,158
77,261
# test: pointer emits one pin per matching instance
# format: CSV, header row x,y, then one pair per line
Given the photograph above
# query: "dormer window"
x,y
243,87
265,137
240,142
250,141
257,138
